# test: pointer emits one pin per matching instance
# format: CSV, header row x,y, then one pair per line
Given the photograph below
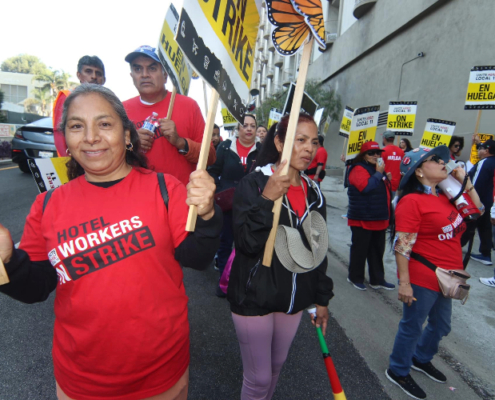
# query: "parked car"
x,y
34,140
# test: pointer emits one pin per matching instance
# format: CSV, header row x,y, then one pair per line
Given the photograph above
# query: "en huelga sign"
x,y
219,39
437,132
171,55
345,125
481,89
363,129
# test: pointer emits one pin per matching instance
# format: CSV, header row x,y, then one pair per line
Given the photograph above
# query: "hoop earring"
x,y
67,151
129,147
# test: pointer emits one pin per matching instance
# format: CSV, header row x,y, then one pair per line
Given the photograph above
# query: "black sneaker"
x,y
407,384
429,370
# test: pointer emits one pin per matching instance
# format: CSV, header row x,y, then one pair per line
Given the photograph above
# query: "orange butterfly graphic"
x,y
294,21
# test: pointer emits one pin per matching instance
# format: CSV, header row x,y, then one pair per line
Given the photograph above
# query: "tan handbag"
x,y
452,282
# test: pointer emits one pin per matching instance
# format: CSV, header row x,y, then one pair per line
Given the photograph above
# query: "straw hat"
x,y
302,252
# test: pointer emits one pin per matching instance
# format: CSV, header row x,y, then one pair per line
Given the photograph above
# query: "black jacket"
x,y
258,290
228,169
482,177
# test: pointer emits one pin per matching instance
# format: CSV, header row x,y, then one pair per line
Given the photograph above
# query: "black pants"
x,y
367,245
484,227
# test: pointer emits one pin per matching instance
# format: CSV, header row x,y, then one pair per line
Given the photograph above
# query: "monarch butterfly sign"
x,y
219,37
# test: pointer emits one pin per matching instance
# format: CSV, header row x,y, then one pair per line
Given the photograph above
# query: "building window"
x,y
14,93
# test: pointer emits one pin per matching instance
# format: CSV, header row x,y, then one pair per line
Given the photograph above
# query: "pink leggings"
x,y
265,342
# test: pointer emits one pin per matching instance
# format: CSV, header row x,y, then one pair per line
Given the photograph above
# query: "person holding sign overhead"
x,y
112,243
174,147
267,302
368,216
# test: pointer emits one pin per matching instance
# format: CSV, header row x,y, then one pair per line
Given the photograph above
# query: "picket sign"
x,y
289,144
171,104
192,216
4,278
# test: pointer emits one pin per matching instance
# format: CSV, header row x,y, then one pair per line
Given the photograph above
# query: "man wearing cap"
x,y
90,69
482,175
174,147
392,156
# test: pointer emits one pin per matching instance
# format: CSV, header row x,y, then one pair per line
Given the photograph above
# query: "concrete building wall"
x,y
364,63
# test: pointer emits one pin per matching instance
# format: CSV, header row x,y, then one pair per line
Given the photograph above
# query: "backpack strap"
x,y
47,198
163,188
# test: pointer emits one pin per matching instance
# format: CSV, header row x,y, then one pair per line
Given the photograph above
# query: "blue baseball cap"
x,y
142,51
413,159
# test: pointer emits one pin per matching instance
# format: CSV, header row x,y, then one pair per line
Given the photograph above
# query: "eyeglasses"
x,y
374,153
435,158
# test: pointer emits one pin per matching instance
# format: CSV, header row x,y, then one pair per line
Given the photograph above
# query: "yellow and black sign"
x,y
345,125
228,119
274,117
401,117
474,149
49,173
481,89
171,55
437,132
363,129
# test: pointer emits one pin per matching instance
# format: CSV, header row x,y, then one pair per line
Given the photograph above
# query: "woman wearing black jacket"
x,y
235,157
267,302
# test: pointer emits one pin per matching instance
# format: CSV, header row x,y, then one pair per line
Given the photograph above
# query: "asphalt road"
x,y
26,371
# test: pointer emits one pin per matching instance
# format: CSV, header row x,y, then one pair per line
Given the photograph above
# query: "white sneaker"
x,y
488,281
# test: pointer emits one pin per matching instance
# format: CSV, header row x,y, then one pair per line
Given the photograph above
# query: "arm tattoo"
x,y
404,242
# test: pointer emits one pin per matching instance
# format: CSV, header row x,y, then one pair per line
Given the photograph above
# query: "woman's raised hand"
x,y
277,185
200,192
5,244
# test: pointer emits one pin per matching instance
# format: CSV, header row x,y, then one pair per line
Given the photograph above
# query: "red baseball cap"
x,y
367,146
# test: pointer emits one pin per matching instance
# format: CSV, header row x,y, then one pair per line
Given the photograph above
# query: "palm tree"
x,y
54,81
41,103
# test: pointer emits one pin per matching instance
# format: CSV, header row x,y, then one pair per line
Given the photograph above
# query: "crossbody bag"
x,y
452,282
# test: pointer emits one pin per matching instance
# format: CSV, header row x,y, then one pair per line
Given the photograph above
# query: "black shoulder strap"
x,y
163,188
47,198
423,260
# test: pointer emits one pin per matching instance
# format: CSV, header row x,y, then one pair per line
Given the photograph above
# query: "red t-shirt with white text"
x,y
392,157
242,152
439,227
121,328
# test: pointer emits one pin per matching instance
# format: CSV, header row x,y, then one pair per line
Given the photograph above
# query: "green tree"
x,y
54,81
2,116
325,97
41,104
24,64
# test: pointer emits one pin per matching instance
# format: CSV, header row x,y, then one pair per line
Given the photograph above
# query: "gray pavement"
x,y
370,318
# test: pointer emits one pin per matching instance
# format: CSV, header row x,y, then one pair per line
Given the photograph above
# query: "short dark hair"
x,y
93,61
320,139
215,126
459,139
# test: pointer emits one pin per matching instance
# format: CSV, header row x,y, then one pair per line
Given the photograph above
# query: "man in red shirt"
x,y
392,156
318,164
174,147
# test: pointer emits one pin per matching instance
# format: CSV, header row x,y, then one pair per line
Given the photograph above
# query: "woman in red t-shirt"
x,y
112,242
428,224
368,216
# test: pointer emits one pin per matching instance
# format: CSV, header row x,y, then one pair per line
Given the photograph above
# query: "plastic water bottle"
x,y
151,123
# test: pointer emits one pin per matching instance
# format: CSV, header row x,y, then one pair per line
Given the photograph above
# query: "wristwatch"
x,y
185,150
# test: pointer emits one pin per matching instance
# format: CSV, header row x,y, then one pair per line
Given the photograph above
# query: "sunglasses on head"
x,y
374,153
435,158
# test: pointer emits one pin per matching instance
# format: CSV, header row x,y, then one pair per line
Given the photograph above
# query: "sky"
x,y
60,32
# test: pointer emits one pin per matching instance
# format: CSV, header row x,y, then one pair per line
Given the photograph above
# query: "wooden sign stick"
x,y
4,278
476,127
289,144
344,152
171,104
203,155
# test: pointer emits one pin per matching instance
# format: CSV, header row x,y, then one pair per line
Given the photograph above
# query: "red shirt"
x,y
297,198
392,157
243,152
359,178
439,227
121,328
189,122
320,159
